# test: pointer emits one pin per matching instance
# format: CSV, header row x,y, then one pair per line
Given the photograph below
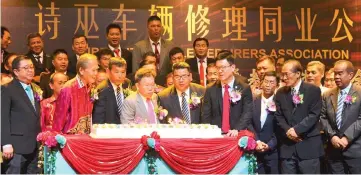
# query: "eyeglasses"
x,y
178,77
287,74
27,67
222,67
269,82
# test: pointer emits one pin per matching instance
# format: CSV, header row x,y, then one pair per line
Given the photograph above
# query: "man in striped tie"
x,y
340,117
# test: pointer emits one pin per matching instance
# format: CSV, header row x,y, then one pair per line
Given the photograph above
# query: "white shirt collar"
x,y
115,87
230,84
57,71
266,100
41,54
151,41
298,85
179,93
80,83
112,48
205,60
347,89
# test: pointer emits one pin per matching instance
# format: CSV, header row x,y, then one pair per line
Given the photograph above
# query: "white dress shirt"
x,y
230,86
297,87
204,69
41,57
112,49
115,90
153,47
264,113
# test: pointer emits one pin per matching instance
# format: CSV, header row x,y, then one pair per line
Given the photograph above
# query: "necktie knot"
x,y
28,88
342,93
155,44
183,94
118,88
201,60
226,86
293,91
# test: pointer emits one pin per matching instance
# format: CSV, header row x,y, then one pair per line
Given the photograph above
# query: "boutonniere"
x,y
271,106
127,92
350,99
235,96
38,93
94,94
176,121
161,113
297,98
194,101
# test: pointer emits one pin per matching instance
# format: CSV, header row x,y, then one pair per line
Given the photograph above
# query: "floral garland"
x,y
194,101
52,140
38,93
350,99
248,144
151,154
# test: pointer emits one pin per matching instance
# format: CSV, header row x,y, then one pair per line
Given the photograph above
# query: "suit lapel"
x,y
163,51
346,109
112,98
219,96
175,99
289,101
193,112
142,108
300,91
25,96
257,112
333,97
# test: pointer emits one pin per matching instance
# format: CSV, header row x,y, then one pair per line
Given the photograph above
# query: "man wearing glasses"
x,y
228,101
298,111
176,98
20,120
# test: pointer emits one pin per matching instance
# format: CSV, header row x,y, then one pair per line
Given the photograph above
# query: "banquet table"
x,y
82,154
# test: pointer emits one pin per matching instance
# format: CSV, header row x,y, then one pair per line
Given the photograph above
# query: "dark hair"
x,y
181,65
272,74
7,58
32,35
210,66
16,62
150,53
142,72
175,50
266,57
153,18
104,51
118,62
350,68
296,66
76,36
226,56
224,51
113,26
59,51
200,39
53,75
3,29
101,70
146,62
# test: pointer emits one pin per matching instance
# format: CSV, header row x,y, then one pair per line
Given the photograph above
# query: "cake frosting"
x,y
164,130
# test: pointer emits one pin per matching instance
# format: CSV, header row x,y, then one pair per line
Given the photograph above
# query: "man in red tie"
x,y
113,36
228,102
200,62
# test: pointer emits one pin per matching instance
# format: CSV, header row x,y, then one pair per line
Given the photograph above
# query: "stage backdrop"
x,y
324,30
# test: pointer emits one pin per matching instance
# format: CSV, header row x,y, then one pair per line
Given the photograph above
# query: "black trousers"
x,y
345,166
267,166
21,164
295,165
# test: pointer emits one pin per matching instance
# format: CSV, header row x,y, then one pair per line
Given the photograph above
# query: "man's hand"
x,y
344,142
8,151
291,134
232,133
261,146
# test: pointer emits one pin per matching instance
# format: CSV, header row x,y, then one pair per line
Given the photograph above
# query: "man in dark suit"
x,y
264,125
176,98
113,37
79,46
104,56
298,110
200,62
20,120
340,117
112,92
228,101
5,42
60,63
41,60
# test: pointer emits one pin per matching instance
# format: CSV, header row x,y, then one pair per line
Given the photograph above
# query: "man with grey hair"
x,y
341,120
315,71
74,105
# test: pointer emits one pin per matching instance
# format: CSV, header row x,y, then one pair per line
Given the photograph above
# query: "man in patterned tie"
x,y
112,93
340,117
176,99
140,107
228,101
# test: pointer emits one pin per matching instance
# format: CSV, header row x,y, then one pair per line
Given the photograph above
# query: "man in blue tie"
x,y
340,117
20,119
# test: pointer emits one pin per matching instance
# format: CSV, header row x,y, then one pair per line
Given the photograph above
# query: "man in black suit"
x,y
41,60
341,121
264,125
60,63
112,92
113,37
298,112
228,101
79,46
200,61
104,56
176,98
5,42
20,119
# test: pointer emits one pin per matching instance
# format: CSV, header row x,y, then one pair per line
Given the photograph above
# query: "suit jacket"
x,y
240,113
303,118
134,108
267,133
72,64
20,122
350,123
45,80
41,67
194,68
127,55
105,109
5,54
144,46
169,100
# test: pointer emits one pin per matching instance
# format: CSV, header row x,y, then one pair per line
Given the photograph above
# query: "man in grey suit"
x,y
155,44
176,98
140,107
341,119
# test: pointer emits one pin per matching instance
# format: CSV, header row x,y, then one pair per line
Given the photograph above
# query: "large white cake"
x,y
163,130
